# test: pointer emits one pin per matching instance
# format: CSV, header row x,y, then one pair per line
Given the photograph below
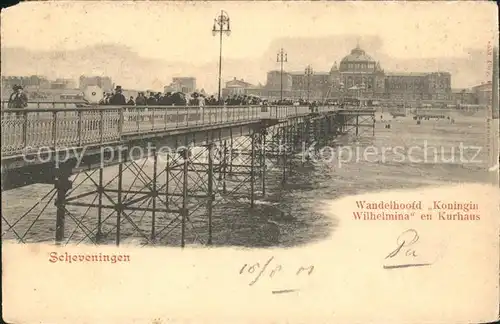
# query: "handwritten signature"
x,y
406,250
270,269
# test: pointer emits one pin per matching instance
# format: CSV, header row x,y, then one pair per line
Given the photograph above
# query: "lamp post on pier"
x,y
221,26
308,72
281,58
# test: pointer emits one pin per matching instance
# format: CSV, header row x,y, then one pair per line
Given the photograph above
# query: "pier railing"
x,y
28,130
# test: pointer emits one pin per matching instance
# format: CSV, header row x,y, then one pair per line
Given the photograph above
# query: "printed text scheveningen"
x,y
65,257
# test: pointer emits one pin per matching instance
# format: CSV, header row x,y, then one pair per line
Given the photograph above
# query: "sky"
x,y
182,31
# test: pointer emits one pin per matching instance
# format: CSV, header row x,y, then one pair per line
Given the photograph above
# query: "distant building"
x,y
463,97
257,90
25,81
359,75
105,83
240,87
272,88
314,86
173,87
63,84
483,93
183,84
56,94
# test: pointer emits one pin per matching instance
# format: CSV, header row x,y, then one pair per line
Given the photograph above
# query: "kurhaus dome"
x,y
357,56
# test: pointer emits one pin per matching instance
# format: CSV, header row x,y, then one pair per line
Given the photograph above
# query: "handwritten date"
x,y
270,269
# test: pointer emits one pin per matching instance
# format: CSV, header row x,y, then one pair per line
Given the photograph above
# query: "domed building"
x,y
358,73
360,76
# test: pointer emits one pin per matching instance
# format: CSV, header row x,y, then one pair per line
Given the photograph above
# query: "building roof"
x,y
184,78
238,83
52,91
483,86
300,73
402,74
462,91
334,67
357,55
356,72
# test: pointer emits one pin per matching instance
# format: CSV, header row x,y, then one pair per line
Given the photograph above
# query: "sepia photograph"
x,y
299,162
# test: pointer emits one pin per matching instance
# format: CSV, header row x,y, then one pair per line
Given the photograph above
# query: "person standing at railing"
x,y
159,98
118,99
151,101
130,102
103,99
107,98
201,102
141,99
18,99
212,101
166,100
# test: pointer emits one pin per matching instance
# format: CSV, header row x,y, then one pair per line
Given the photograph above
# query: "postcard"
x,y
250,162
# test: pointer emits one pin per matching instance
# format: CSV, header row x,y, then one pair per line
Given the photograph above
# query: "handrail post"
x,y
54,129
153,119
25,129
101,126
121,121
79,128
177,119
137,120
165,119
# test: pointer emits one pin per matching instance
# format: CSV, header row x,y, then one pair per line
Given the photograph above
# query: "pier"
x,y
199,149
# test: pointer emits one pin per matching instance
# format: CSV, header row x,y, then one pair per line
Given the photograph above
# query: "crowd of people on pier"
x,y
19,99
117,98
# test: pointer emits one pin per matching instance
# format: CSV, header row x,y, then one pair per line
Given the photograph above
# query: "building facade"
x,y
313,85
359,75
105,83
25,81
273,81
483,93
185,84
463,97
63,84
272,88
240,87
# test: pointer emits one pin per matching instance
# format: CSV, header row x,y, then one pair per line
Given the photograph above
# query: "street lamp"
x,y
308,72
221,26
281,58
